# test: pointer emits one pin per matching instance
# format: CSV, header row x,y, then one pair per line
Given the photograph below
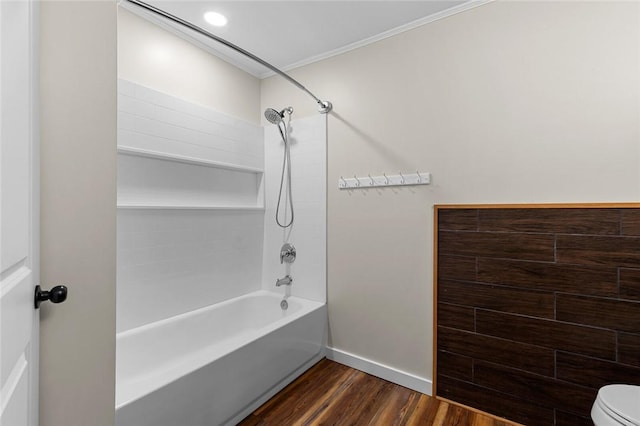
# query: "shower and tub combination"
x,y
221,258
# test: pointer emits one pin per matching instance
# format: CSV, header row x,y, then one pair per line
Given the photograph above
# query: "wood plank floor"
x,y
333,394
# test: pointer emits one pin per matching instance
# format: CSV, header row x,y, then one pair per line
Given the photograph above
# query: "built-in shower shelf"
x,y
137,206
125,150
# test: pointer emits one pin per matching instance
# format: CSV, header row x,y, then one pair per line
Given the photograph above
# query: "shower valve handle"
x,y
287,253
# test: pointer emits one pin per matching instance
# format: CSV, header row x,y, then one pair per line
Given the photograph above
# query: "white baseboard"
x,y
385,372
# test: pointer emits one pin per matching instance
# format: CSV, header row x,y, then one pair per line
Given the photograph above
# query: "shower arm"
x,y
323,106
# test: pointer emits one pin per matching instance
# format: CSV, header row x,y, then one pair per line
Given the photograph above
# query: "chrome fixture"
x,y
277,118
287,253
287,280
323,106
284,305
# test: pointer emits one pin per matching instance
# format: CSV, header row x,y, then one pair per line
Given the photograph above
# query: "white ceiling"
x,y
295,32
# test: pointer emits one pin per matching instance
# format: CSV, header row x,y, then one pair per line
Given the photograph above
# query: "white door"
x,y
18,215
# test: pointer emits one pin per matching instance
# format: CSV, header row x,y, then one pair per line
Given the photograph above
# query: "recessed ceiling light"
x,y
216,19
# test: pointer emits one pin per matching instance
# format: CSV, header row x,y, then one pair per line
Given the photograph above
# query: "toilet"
x,y
617,405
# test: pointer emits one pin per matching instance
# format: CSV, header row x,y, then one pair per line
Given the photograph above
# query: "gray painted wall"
x,y
508,102
78,211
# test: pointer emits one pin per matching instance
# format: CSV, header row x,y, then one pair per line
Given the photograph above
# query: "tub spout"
x,y
287,280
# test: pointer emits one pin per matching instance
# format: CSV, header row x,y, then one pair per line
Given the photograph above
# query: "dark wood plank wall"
x,y
537,308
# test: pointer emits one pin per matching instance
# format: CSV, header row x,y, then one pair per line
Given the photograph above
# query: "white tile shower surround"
x,y
175,261
155,121
172,261
308,234
151,181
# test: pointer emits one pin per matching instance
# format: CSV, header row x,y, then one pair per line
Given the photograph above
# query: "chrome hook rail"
x,y
400,179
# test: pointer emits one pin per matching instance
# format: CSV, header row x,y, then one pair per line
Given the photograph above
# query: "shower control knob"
x,y
57,294
287,253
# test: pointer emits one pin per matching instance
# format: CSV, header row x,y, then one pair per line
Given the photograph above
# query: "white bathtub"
x,y
215,365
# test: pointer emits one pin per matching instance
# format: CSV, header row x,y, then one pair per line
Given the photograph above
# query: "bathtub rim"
x,y
157,324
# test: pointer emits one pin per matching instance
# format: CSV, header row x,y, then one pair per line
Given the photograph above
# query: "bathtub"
x,y
215,365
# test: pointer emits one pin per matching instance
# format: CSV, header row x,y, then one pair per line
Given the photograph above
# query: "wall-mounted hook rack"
x,y
401,179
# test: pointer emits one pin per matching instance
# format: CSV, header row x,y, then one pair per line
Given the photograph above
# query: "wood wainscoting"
x,y
537,306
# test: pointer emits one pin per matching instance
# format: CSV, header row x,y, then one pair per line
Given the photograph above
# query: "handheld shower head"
x,y
275,117
272,116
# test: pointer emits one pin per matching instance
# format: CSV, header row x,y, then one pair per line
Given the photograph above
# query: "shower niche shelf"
x,y
158,206
153,180
157,155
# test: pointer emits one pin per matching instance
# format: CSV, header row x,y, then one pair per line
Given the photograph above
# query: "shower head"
x,y
272,116
275,117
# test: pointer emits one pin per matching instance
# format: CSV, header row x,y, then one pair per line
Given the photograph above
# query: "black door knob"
x,y
58,294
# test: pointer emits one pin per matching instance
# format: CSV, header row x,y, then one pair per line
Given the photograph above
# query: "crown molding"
x,y
378,37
